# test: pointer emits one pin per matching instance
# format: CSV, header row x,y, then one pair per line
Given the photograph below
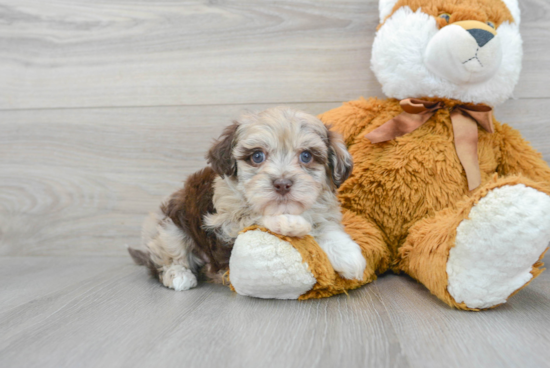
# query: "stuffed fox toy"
x,y
440,191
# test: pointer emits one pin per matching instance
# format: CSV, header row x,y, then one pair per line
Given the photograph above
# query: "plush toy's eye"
x,y
445,16
491,24
305,157
258,157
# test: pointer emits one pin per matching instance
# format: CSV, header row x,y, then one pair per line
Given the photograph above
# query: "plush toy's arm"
x,y
352,117
518,157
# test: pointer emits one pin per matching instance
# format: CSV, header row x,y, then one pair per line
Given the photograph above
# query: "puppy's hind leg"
x,y
168,253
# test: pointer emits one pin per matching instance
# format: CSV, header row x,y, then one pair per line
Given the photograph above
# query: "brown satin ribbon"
x,y
464,119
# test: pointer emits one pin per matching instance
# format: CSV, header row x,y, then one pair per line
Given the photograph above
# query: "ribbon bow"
x,y
464,119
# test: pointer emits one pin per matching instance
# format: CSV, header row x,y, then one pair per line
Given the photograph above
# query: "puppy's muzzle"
x,y
282,186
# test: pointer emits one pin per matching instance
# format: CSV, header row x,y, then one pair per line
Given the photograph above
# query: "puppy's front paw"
x,y
345,256
287,225
353,267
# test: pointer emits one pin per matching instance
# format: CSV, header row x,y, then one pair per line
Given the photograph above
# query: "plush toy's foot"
x,y
489,246
496,247
264,266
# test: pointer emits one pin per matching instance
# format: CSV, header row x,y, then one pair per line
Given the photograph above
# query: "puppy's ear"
x,y
340,162
220,156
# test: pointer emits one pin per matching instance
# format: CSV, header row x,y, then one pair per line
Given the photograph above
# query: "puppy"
x,y
279,169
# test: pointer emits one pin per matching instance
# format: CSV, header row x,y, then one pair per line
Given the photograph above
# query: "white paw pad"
x,y
179,278
496,247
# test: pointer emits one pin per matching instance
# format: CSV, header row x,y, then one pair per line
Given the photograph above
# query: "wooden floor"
x,y
106,106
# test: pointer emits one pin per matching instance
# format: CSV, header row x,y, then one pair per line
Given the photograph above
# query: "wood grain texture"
x,y
82,181
111,314
150,53
175,52
122,318
532,118
431,334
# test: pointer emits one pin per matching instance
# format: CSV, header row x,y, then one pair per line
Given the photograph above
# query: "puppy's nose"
x,y
481,36
282,186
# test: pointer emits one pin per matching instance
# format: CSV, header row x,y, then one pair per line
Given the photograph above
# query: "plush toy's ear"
x,y
220,155
385,7
513,6
340,162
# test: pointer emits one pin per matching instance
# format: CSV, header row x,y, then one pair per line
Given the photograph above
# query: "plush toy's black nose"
x,y
282,186
481,36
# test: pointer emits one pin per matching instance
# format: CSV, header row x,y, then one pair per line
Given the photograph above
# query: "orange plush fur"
x,y
459,10
412,193
406,197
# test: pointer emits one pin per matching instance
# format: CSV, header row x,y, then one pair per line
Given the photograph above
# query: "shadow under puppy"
x,y
280,169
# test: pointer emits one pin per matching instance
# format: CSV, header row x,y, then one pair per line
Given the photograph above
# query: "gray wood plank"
x,y
535,31
513,335
80,181
117,316
149,53
24,279
122,318
530,117
176,52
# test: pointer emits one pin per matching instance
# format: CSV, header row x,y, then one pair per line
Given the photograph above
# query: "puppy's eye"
x,y
491,24
258,157
445,16
305,157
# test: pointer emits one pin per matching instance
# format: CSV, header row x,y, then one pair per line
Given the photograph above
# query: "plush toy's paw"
x,y
178,278
495,249
264,266
287,225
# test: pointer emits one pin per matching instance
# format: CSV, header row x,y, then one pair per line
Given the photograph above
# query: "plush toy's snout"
x,y
465,52
481,32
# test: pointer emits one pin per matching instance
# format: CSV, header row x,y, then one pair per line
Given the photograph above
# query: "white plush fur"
x,y
385,7
495,248
453,54
265,266
398,60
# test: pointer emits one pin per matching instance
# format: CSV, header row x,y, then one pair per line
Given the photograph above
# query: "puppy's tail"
x,y
143,259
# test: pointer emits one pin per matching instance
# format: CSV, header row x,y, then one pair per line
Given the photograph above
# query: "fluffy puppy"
x,y
280,169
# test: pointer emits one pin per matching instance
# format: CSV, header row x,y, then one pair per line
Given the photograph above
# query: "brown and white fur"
x,y
194,230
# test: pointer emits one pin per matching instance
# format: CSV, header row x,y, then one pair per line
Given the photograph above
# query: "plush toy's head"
x,y
469,50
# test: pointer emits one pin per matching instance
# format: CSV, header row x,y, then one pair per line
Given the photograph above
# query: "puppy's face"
x,y
281,160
